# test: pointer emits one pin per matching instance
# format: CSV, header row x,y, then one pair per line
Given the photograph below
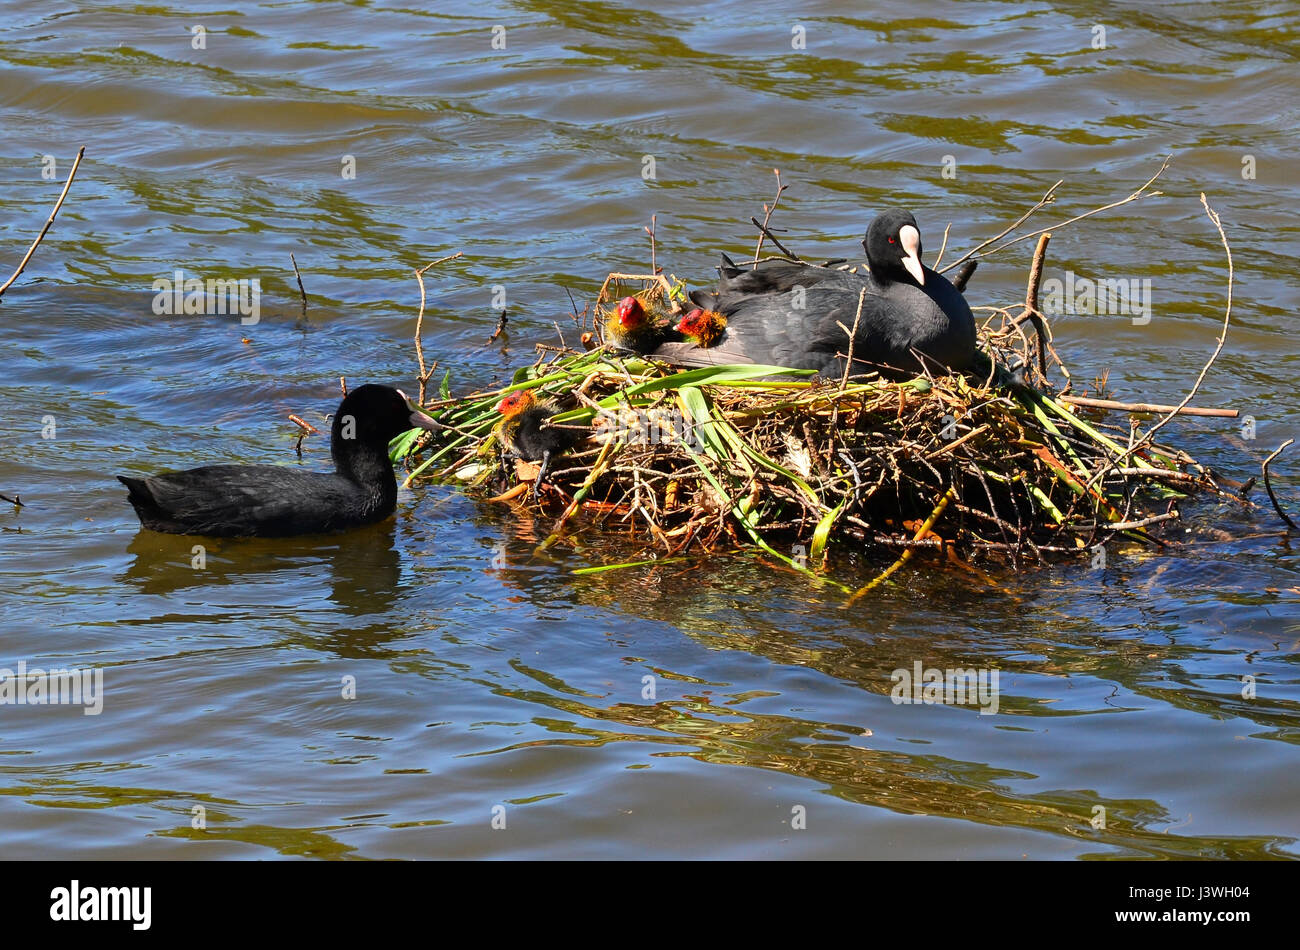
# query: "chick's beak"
x,y
418,417
910,238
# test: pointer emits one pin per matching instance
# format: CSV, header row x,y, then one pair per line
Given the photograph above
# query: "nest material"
x,y
739,455
736,455
658,295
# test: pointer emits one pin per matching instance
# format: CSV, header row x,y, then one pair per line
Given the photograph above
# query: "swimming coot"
x,y
271,501
790,314
524,433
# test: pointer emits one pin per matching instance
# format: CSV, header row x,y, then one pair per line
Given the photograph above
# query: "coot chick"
x,y
524,433
632,327
911,315
702,327
274,501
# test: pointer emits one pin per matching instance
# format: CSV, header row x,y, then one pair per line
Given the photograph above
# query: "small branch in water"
x,y
1268,486
579,319
1036,273
48,222
1048,197
426,372
921,533
502,320
1218,347
16,501
1127,525
1140,193
307,429
301,290
343,385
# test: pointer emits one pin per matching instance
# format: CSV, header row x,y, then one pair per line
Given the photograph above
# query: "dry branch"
x,y
48,222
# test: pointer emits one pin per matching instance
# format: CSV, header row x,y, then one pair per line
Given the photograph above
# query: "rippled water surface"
x,y
518,693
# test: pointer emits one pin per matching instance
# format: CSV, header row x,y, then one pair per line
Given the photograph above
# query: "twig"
x,y
1036,273
1048,197
307,429
1268,486
1218,347
426,374
1147,407
1168,474
948,496
789,254
1031,311
501,326
48,222
577,318
1137,195
301,290
767,217
602,462
848,362
1127,525
17,500
942,247
956,442
654,223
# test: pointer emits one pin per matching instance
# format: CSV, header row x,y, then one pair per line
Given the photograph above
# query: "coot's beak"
x,y
910,238
418,418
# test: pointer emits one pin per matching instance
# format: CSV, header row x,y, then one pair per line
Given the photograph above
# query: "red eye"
x,y
891,240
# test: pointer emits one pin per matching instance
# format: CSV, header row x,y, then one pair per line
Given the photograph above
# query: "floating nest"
x,y
755,455
994,464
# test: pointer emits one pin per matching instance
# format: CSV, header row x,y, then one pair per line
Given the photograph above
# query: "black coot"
x,y
789,314
274,501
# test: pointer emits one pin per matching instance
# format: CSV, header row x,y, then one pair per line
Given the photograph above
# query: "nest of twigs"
x,y
740,455
993,464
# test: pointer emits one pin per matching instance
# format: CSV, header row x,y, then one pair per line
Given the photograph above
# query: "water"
x,y
518,693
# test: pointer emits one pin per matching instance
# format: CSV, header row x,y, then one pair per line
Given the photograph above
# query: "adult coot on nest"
x,y
277,501
791,314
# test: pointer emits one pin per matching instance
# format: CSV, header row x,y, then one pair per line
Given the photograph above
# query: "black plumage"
x,y
791,314
279,501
